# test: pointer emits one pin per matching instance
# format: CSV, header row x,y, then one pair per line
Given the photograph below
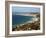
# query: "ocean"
x,y
19,19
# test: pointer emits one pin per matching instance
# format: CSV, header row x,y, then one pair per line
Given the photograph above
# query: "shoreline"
x,y
28,14
34,25
28,26
36,19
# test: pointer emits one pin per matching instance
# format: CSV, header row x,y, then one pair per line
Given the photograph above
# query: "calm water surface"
x,y
19,19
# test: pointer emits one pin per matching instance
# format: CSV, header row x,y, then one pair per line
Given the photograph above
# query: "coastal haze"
x,y
22,16
25,10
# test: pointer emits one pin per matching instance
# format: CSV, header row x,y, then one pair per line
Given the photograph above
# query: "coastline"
x,y
28,14
29,25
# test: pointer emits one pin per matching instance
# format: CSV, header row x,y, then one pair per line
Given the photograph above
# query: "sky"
x,y
23,10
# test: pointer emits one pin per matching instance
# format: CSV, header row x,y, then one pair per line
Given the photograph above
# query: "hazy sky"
x,y
23,10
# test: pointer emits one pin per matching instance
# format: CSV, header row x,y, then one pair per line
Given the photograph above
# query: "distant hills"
x,y
24,13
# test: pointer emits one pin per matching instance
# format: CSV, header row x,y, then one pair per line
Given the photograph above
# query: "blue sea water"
x,y
19,19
